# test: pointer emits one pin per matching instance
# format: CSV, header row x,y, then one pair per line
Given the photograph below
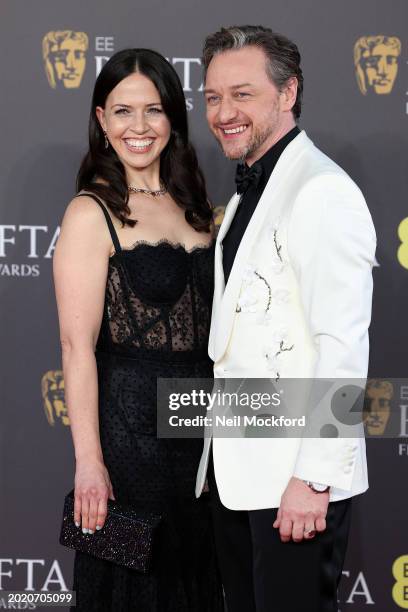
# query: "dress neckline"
x,y
164,242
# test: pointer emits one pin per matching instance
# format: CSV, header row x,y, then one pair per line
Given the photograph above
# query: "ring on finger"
x,y
310,532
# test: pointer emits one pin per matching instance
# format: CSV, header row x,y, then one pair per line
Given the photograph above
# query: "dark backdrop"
x,y
43,137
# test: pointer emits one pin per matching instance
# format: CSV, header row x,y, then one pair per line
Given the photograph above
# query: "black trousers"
x,y
262,574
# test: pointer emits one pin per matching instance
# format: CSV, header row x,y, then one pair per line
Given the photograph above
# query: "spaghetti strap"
x,y
111,227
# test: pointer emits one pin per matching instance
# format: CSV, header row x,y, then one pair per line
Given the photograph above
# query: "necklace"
x,y
152,192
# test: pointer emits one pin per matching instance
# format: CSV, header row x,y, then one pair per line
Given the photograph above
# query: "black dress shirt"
x,y
250,199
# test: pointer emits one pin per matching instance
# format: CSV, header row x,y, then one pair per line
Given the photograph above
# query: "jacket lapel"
x,y
219,282
271,200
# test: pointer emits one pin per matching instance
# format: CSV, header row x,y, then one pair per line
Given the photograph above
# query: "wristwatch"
x,y
317,487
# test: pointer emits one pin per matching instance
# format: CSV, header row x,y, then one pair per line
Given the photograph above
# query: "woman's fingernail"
x,y
90,531
84,530
98,527
77,524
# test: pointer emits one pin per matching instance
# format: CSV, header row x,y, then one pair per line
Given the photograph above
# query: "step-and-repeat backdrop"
x,y
355,58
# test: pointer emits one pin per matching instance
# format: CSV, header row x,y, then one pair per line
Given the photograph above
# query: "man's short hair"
x,y
283,57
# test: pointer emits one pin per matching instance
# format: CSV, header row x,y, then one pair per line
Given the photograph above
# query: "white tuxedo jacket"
x,y
312,240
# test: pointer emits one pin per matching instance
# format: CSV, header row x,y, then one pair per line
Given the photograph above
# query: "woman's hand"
x,y
92,490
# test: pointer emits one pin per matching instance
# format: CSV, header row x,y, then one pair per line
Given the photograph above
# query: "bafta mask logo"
x,y
376,63
53,392
64,57
377,409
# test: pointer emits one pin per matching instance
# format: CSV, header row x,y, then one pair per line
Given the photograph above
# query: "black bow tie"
x,y
246,176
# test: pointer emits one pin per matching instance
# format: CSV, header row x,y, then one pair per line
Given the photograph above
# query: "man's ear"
x,y
289,94
100,114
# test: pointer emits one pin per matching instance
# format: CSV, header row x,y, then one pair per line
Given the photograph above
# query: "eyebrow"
x,y
241,85
128,106
206,91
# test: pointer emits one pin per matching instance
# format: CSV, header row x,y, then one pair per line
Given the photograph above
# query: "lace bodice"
x,y
158,298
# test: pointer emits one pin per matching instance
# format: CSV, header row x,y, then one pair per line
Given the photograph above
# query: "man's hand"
x,y
302,512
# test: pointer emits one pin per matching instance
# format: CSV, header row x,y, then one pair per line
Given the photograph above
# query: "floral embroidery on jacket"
x,y
251,300
274,351
248,300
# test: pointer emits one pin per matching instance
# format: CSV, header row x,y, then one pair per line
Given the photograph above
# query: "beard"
x,y
258,138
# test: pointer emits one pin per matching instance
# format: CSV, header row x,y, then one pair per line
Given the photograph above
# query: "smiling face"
x,y
134,121
245,111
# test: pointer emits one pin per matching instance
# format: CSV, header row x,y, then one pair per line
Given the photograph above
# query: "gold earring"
x,y
106,139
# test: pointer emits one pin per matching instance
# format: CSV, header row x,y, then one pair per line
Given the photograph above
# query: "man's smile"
x,y
233,131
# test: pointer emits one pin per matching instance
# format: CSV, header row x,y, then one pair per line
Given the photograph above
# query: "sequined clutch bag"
x,y
126,538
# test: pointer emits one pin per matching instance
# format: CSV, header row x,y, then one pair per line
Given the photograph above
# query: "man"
x,y
292,299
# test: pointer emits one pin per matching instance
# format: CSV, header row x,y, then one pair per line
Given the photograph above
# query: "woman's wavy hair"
x,y
179,169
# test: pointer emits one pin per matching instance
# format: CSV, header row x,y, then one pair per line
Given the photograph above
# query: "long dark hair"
x,y
179,168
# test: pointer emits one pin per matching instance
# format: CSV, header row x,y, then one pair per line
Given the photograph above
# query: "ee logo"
x,y
400,588
402,252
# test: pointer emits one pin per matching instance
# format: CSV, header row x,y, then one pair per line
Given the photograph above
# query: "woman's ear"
x,y
100,114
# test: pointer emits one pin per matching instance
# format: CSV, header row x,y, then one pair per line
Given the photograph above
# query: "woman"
x,y
134,272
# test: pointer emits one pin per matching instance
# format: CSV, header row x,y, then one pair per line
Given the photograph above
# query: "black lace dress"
x,y
155,324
